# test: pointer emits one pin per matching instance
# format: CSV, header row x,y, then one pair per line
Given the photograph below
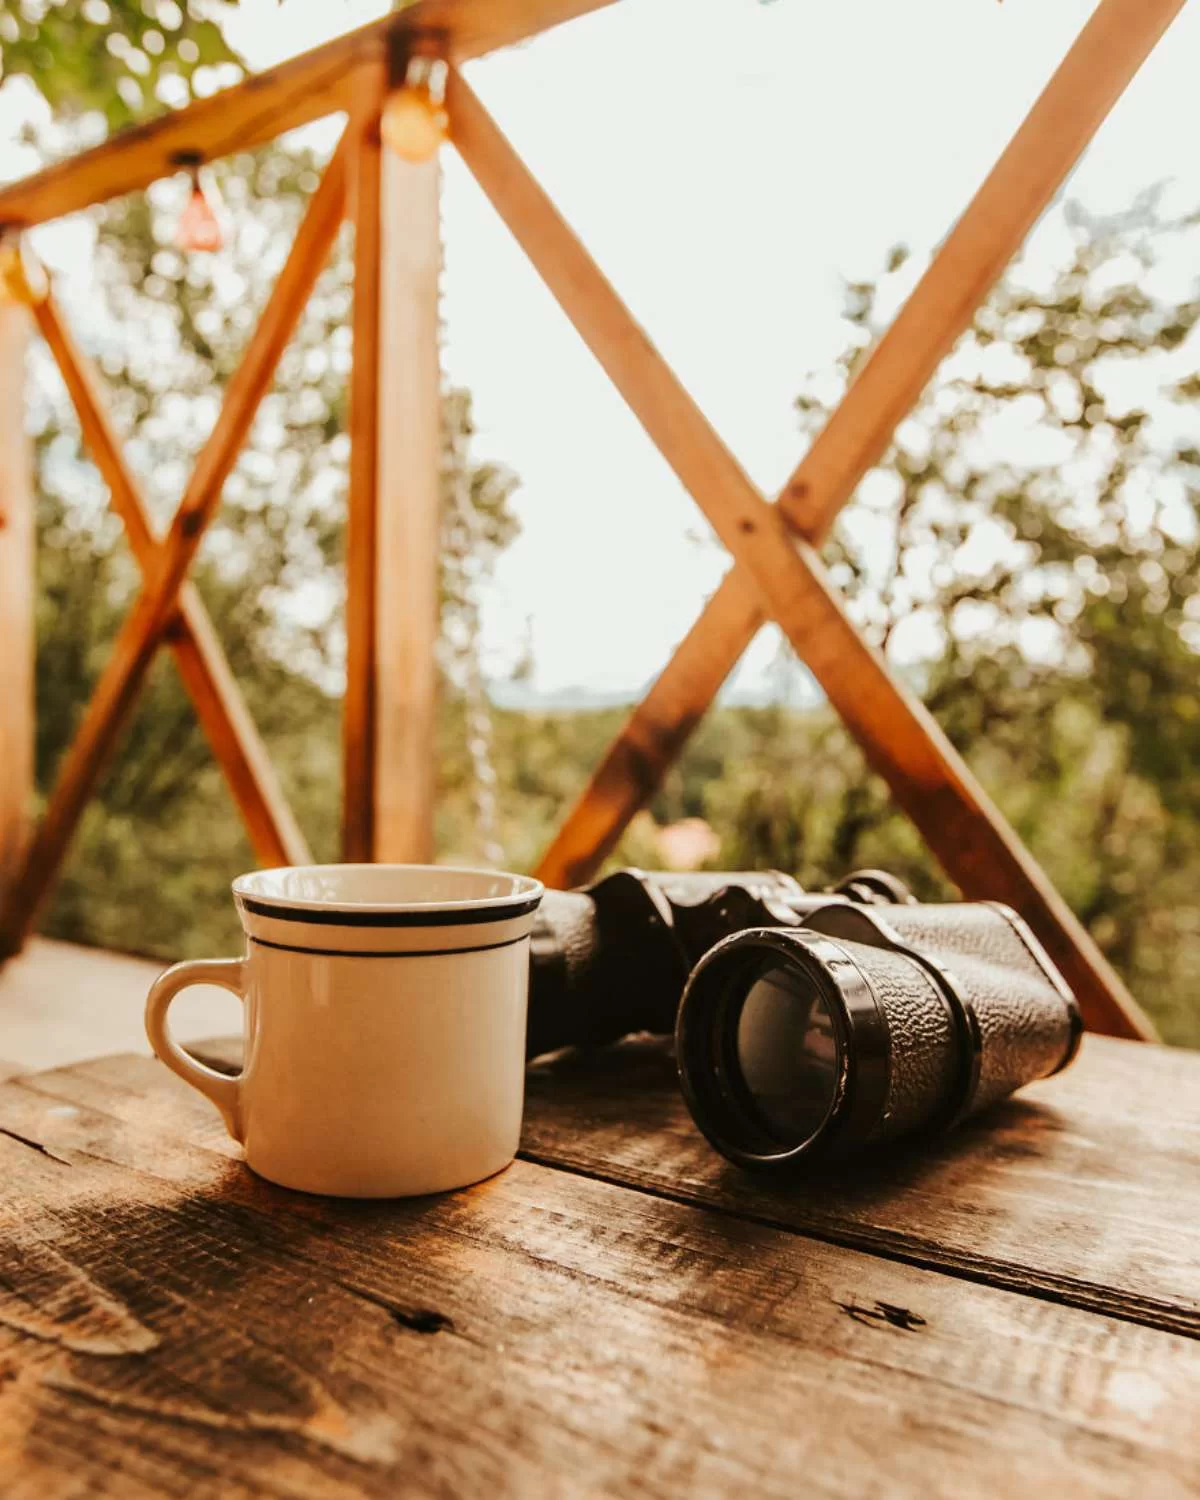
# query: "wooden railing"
x,y
392,526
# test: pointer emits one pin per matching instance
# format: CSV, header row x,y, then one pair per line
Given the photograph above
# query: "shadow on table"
x,y
618,1111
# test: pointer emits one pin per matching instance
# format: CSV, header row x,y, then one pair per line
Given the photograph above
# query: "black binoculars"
x,y
805,1024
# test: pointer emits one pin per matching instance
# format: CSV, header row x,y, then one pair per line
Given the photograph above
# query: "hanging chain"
x,y
478,706
464,518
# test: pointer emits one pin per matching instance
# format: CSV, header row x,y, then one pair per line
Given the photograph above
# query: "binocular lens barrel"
x,y
793,1043
780,1047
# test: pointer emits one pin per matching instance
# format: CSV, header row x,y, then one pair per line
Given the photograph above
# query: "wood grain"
x,y
1084,1188
410,512
394,518
928,778
139,638
267,104
203,666
171,1325
17,583
1109,50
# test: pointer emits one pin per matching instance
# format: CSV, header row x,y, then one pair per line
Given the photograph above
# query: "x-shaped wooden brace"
x,y
778,574
167,606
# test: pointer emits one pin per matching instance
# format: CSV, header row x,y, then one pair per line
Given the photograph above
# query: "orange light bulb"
x,y
414,122
199,228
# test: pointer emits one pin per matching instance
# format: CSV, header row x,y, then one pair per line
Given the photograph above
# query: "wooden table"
x,y
1012,1313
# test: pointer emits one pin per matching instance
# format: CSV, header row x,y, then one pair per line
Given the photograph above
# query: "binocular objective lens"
x,y
787,1053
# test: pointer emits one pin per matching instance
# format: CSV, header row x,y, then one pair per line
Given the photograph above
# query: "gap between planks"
x,y
893,1244
1144,1312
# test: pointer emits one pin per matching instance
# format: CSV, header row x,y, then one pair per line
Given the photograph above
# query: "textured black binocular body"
x,y
805,1024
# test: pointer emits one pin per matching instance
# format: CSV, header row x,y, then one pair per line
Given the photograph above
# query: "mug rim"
x,y
524,896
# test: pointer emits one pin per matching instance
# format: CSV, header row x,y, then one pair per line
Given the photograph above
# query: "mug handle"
x,y
224,1091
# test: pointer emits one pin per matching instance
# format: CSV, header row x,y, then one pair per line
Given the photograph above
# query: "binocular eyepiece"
x,y
805,1025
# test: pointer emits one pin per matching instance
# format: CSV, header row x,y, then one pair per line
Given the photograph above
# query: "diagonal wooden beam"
x,y
266,104
928,778
1109,50
202,664
136,643
18,584
652,738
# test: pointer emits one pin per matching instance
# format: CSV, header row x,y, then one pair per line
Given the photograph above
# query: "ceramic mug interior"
x,y
423,889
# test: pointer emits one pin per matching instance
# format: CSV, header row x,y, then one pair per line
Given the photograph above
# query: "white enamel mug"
x,y
384,1025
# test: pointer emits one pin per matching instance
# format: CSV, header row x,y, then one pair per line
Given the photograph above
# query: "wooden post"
x,y
16,599
362,508
394,518
409,533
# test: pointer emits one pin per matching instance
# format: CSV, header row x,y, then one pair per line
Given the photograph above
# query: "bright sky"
x,y
727,164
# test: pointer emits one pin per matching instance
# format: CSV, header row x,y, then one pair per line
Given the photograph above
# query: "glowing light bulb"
x,y
199,228
414,120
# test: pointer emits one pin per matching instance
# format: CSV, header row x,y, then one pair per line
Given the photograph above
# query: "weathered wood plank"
x,y
267,104
928,778
1084,1187
16,599
168,1323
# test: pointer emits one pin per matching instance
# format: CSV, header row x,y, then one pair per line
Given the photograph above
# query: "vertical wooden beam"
x,y
409,527
393,529
16,598
362,508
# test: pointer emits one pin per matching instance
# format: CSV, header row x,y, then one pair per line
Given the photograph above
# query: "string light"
x,y
199,226
414,120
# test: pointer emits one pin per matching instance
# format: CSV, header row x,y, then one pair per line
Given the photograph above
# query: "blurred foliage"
x,y
1025,555
117,59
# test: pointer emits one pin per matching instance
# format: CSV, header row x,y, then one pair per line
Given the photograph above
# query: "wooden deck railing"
x,y
392,526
